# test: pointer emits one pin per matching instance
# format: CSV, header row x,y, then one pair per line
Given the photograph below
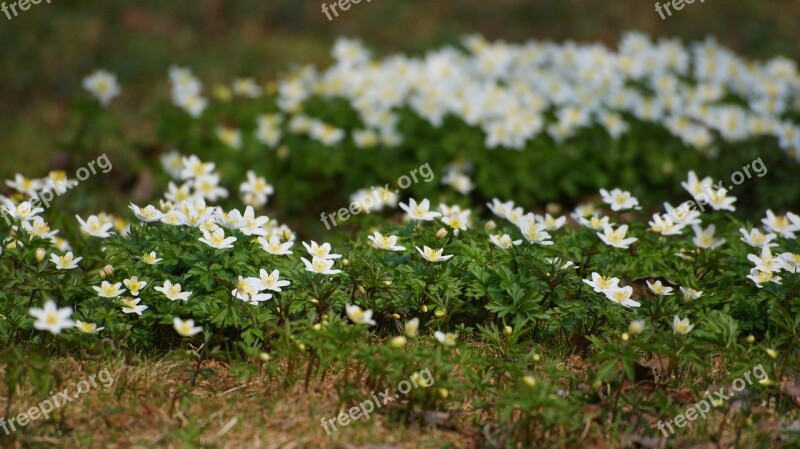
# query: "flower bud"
x,y
537,358
423,308
490,225
751,339
107,270
346,262
439,313
314,301
553,208
387,283
301,347
395,316
508,330
264,357
40,254
636,327
772,353
316,327
283,152
443,393
397,342
361,290
441,233
625,336
529,381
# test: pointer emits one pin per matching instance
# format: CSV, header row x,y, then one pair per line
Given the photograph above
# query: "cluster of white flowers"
x,y
510,90
187,91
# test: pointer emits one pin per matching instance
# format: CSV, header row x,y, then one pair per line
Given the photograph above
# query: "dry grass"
x,y
152,404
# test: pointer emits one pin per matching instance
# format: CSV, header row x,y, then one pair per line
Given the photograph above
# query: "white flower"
x,y
601,284
193,167
780,225
274,246
65,262
412,327
387,242
616,238
619,199
134,285
551,224
719,200
247,289
419,211
762,277
659,289
535,233
109,290
87,328
704,238
684,214
230,137
790,261
252,225
23,211
173,292
664,225
216,239
446,339
696,187
319,265
433,255
690,294
681,326
622,296
131,305
504,241
149,214
103,85
94,227
594,222
151,258
359,316
51,318
271,281
39,228
767,261
757,239
186,328
322,251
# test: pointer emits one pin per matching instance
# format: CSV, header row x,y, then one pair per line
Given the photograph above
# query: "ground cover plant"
x,y
479,289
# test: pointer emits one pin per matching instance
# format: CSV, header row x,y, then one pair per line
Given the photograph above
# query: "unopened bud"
x,y
423,308
625,336
106,271
751,339
397,342
490,225
508,330
439,313
441,233
537,358
264,357
772,353
345,262
317,327
301,347
314,301
40,254
443,393
387,283
529,381
395,316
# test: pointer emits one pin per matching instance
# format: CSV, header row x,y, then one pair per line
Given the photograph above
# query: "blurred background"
x,y
49,48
